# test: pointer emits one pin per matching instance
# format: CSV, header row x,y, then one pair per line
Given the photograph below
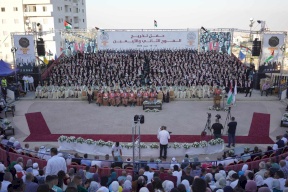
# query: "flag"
x,y
241,55
155,23
230,96
46,61
270,57
67,25
234,93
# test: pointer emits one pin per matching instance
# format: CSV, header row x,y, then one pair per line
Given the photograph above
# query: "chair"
x,y
231,164
9,109
248,160
256,158
74,163
240,162
264,156
272,155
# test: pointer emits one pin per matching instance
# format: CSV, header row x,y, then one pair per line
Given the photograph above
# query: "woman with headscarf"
x,y
264,189
19,171
69,176
187,185
10,142
241,184
113,177
17,146
228,189
96,178
94,186
114,187
259,181
129,178
276,185
127,186
29,164
82,175
167,185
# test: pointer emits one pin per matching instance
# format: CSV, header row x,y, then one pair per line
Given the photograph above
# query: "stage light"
x,y
259,21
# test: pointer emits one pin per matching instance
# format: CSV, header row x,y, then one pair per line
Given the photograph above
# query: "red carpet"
x,y
258,134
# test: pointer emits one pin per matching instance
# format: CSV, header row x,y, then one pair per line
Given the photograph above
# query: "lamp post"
x,y
250,35
13,50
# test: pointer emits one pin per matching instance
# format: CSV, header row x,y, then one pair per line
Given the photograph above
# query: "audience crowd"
x,y
187,174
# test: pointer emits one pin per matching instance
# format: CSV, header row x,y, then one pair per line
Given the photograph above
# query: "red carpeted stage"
x,y
258,134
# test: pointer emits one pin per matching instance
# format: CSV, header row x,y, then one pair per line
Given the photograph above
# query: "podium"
x,y
217,101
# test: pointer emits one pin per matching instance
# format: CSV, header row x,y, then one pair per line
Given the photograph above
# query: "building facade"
x,y
42,18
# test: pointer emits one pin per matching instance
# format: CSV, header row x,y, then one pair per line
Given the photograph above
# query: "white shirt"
x,y
275,146
282,183
163,137
25,78
285,140
178,174
269,181
97,163
116,150
55,164
234,183
5,185
149,176
30,79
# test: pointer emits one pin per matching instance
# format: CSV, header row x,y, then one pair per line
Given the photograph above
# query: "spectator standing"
x,y
117,151
231,132
217,129
55,163
163,136
31,83
26,83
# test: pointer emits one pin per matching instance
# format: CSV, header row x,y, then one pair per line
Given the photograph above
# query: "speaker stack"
x,y
41,47
256,48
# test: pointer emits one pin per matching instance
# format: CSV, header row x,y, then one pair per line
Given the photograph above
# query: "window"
x,y
70,20
70,9
82,10
44,8
83,21
3,21
61,8
15,8
58,8
16,21
59,20
2,9
6,44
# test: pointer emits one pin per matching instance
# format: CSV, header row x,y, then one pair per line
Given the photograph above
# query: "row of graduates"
x,y
126,97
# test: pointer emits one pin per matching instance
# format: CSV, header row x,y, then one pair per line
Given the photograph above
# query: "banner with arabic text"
x,y
146,40
25,54
272,55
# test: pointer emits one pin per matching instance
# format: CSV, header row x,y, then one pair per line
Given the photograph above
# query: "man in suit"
x,y
248,87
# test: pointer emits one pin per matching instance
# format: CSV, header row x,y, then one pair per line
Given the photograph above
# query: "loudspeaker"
x,y
139,118
41,47
256,48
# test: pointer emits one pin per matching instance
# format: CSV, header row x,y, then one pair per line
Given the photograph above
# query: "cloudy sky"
x,y
180,14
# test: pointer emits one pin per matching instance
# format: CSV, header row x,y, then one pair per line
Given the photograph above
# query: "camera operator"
x,y
231,132
217,127
163,136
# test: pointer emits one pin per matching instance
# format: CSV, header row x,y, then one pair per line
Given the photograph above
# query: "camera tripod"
x,y
207,126
228,117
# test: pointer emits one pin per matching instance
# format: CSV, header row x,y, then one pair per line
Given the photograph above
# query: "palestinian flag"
x,y
230,96
155,23
67,25
270,57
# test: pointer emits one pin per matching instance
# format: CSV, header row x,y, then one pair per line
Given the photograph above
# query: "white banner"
x,y
25,54
123,40
272,55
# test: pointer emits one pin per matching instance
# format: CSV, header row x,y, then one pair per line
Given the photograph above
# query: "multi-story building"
x,y
22,16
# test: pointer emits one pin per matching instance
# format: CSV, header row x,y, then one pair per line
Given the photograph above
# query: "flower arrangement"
x,y
154,146
195,144
186,146
158,161
142,145
203,144
62,138
71,139
176,145
90,141
128,145
80,140
6,122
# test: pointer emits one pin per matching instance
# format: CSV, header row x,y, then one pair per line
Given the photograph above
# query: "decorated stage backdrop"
x,y
145,40
272,55
216,41
25,54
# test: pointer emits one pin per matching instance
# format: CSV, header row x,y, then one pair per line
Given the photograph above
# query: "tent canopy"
x,y
5,69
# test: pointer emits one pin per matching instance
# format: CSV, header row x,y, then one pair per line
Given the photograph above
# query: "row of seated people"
x,y
271,175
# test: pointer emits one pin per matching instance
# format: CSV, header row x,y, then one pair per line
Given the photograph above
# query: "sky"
x,y
182,14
